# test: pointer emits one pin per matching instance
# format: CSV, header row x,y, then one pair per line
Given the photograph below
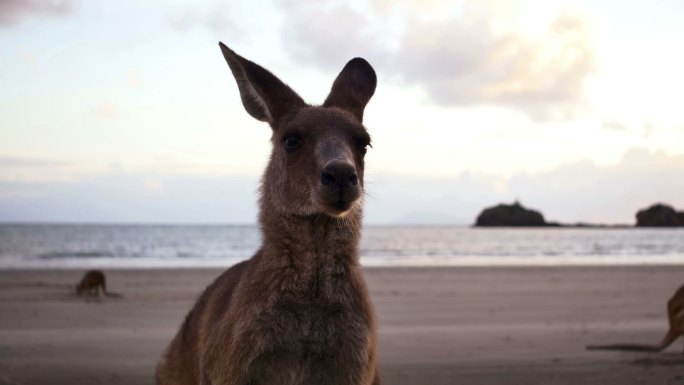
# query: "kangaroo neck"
x,y
303,241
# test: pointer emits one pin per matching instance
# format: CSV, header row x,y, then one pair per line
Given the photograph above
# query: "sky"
x,y
127,112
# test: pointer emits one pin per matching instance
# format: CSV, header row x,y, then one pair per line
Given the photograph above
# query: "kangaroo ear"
x,y
263,95
353,87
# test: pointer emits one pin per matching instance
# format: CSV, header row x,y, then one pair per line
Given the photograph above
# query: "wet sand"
x,y
467,325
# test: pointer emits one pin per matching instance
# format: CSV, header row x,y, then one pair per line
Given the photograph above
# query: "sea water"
x,y
143,246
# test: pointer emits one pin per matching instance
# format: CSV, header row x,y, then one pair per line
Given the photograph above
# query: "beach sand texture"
x,y
456,325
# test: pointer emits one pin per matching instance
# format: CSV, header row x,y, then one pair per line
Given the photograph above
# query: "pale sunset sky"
x,y
125,111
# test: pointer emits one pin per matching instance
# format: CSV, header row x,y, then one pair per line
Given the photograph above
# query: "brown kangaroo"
x,y
298,311
91,283
675,315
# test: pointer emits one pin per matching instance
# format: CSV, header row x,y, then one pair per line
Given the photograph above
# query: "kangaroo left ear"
x,y
353,87
264,96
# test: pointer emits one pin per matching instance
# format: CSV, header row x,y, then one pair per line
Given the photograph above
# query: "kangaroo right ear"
x,y
263,95
353,87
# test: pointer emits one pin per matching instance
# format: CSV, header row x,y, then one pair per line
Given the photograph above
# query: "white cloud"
x,y
329,33
613,125
216,17
132,197
133,79
106,110
461,56
13,11
15,169
465,61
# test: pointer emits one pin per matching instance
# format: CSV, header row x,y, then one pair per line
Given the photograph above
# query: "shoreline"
x,y
408,262
437,325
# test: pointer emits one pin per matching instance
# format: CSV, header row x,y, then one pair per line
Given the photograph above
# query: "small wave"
x,y
74,254
161,245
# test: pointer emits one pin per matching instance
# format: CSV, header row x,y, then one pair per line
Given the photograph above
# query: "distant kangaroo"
x,y
675,315
91,283
298,311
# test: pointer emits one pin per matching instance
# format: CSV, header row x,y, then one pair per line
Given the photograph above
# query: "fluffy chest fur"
x,y
314,325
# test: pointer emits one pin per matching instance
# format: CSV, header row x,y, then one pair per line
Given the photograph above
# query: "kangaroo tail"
x,y
669,338
107,293
667,341
625,347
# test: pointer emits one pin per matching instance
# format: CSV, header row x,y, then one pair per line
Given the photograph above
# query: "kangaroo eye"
x,y
363,145
292,142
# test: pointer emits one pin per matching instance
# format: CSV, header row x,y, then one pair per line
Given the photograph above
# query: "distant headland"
x,y
516,215
660,215
510,215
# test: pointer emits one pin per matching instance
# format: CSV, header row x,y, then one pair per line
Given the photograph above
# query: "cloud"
x,y
397,198
219,16
580,191
613,125
133,79
106,110
28,57
648,131
10,161
464,58
465,61
32,169
14,11
327,33
153,186
132,197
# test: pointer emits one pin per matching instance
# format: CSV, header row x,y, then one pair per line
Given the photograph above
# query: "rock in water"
x,y
510,215
659,215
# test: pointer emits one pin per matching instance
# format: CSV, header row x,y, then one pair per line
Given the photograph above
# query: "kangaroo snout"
x,y
339,186
339,174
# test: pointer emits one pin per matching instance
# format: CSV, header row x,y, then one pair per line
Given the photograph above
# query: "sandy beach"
x,y
456,325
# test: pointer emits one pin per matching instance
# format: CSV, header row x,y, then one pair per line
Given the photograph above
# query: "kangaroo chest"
x,y
313,332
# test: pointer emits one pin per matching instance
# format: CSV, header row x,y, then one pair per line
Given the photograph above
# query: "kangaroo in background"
x,y
91,283
298,311
675,315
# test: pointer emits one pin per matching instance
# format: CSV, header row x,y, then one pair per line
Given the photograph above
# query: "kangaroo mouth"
x,y
343,205
336,201
337,208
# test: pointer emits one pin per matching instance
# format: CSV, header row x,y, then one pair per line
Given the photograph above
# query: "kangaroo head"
x,y
317,160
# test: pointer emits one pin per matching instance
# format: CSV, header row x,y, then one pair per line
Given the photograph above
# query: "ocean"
x,y
146,246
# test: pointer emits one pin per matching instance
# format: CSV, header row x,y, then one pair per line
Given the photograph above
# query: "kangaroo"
x,y
298,311
675,315
91,283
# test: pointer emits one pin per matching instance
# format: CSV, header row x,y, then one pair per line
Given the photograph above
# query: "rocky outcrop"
x,y
659,215
510,215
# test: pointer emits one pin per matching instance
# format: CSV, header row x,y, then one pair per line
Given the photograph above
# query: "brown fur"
x,y
675,316
91,283
298,311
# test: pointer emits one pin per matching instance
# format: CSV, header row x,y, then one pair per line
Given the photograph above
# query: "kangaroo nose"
x,y
341,174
